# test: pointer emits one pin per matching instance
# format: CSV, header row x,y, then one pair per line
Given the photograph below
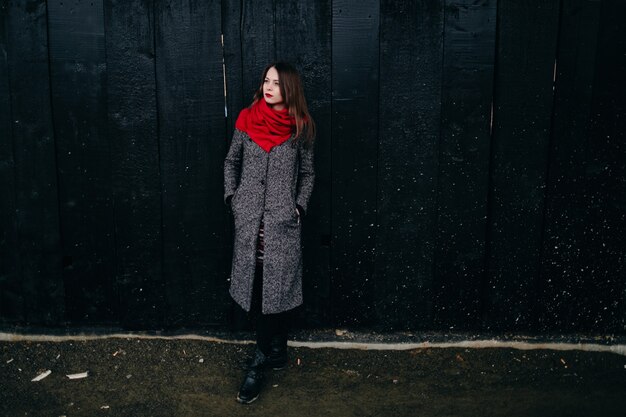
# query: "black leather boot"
x,y
277,358
252,382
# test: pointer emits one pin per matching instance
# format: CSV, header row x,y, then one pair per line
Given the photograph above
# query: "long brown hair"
x,y
293,95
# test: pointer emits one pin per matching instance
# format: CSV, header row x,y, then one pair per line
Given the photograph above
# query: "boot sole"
x,y
241,401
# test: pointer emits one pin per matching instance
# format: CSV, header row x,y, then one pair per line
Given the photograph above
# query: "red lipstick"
x,y
268,95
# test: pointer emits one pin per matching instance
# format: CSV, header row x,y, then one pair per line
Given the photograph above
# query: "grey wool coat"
x,y
268,185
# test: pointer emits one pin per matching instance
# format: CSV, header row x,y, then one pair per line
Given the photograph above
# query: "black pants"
x,y
270,328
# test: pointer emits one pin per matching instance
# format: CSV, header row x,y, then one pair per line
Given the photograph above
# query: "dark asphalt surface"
x,y
168,377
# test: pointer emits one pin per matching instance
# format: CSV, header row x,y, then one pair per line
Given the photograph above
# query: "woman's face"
x,y
271,90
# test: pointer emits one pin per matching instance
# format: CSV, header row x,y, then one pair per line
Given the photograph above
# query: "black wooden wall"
x,y
470,160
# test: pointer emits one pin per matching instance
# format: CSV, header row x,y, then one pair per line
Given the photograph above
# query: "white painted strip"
x,y
619,349
17,337
470,344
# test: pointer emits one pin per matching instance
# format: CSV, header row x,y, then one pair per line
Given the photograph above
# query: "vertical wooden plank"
x,y
308,46
258,48
232,30
354,133
562,293
233,63
410,104
192,130
11,300
77,68
469,49
523,101
132,110
604,246
35,166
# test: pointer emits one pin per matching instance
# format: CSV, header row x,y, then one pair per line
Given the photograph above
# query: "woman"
x,y
268,179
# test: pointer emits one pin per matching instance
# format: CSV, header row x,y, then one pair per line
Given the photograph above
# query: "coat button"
x,y
262,182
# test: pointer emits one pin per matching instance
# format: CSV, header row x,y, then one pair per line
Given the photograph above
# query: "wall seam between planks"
x,y
332,311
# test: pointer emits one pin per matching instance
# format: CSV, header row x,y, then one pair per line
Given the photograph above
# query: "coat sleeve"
x,y
306,173
232,165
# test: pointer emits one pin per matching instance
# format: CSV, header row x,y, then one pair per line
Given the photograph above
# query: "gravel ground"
x,y
171,377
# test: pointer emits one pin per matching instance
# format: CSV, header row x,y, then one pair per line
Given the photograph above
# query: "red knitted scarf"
x,y
265,126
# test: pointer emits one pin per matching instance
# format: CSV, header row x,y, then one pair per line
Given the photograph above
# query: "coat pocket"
x,y
295,217
298,216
